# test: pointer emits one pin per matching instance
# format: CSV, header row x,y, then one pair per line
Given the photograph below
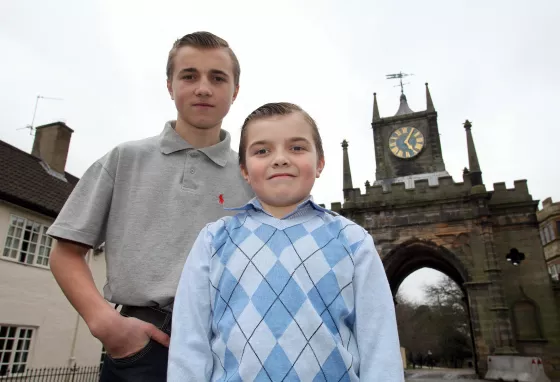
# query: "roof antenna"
x,y
400,76
31,127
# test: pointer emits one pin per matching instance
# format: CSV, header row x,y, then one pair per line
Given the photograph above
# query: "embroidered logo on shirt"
x,y
221,199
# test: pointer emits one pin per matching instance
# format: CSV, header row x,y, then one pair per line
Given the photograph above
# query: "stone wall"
x,y
450,225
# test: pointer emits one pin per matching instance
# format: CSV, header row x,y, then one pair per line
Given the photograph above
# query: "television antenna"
x,y
399,76
31,127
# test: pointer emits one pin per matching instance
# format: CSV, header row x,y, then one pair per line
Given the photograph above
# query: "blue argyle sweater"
x,y
302,298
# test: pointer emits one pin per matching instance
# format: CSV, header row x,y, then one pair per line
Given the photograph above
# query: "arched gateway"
x,y
418,217
416,254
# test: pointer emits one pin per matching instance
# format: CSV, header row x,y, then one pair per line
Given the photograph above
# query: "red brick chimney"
x,y
51,144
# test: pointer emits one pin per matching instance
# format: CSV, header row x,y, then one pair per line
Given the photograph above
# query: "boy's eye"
x,y
298,148
261,151
220,79
188,77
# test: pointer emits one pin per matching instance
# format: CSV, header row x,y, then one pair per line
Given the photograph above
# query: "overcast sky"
x,y
493,62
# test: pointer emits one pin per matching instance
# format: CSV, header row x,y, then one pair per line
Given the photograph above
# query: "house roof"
x,y
26,182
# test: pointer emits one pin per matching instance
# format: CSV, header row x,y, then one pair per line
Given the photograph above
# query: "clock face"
x,y
406,142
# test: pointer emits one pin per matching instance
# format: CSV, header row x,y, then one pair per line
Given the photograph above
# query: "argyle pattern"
x,y
282,299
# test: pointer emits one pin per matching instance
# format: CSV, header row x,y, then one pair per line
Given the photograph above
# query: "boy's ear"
x,y
244,173
170,88
320,166
235,92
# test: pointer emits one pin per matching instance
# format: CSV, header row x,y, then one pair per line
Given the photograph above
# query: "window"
x,y
27,242
554,270
551,231
546,235
547,232
15,343
543,239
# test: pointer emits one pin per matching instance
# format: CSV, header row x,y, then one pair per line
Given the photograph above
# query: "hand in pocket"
x,y
126,336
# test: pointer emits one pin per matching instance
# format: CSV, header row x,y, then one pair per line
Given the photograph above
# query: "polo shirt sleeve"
x,y
83,219
376,325
190,354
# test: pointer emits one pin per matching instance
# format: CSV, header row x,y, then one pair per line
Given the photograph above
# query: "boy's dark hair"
x,y
205,40
278,108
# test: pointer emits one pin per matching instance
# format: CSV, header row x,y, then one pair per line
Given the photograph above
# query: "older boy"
x,y
147,200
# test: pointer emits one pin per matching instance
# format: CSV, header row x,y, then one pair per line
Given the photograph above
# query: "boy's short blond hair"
x,y
204,40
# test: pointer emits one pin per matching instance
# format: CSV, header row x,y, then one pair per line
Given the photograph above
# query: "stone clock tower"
x,y
419,217
407,145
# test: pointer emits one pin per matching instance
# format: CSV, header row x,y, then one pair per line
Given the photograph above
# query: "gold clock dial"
x,y
406,142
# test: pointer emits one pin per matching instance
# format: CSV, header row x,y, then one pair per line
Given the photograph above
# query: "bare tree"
x,y
440,325
448,302
446,293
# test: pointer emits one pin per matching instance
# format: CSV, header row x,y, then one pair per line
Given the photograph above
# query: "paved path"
x,y
437,374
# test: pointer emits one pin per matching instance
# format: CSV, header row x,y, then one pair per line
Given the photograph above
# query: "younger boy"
x,y
285,290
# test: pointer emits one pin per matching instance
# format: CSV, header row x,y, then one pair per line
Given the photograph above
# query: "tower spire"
x,y
474,167
403,107
376,115
346,173
429,103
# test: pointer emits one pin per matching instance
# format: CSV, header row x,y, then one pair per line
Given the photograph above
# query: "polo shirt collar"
x,y
170,142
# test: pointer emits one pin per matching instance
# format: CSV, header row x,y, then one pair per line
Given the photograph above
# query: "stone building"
x,y
38,326
549,224
420,217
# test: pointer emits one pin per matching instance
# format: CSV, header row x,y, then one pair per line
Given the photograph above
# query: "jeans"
x,y
147,365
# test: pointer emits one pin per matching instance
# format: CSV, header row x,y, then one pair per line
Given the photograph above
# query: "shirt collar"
x,y
170,142
255,204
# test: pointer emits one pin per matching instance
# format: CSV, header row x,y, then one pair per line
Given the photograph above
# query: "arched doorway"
x,y
416,254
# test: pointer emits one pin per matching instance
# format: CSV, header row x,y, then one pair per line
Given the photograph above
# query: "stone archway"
x,y
415,254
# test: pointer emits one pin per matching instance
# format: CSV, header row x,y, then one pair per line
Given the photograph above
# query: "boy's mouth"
x,y
282,175
202,104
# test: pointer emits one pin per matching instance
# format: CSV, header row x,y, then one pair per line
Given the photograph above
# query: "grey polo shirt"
x,y
148,200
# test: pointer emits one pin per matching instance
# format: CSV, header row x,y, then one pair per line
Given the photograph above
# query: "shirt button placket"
x,y
189,181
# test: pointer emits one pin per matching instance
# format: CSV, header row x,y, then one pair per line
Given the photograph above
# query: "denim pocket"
x,y
135,357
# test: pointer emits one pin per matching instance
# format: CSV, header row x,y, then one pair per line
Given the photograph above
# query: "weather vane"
x,y
400,76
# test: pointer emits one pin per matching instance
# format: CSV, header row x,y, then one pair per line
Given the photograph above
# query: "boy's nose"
x,y
280,164
203,89
280,160
203,92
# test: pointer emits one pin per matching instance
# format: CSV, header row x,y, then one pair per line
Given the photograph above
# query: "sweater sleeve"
x,y
375,325
190,355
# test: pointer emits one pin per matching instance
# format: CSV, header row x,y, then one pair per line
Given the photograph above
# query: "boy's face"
x,y
202,86
281,160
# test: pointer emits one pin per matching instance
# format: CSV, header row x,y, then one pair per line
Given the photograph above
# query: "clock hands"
x,y
407,139
402,145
